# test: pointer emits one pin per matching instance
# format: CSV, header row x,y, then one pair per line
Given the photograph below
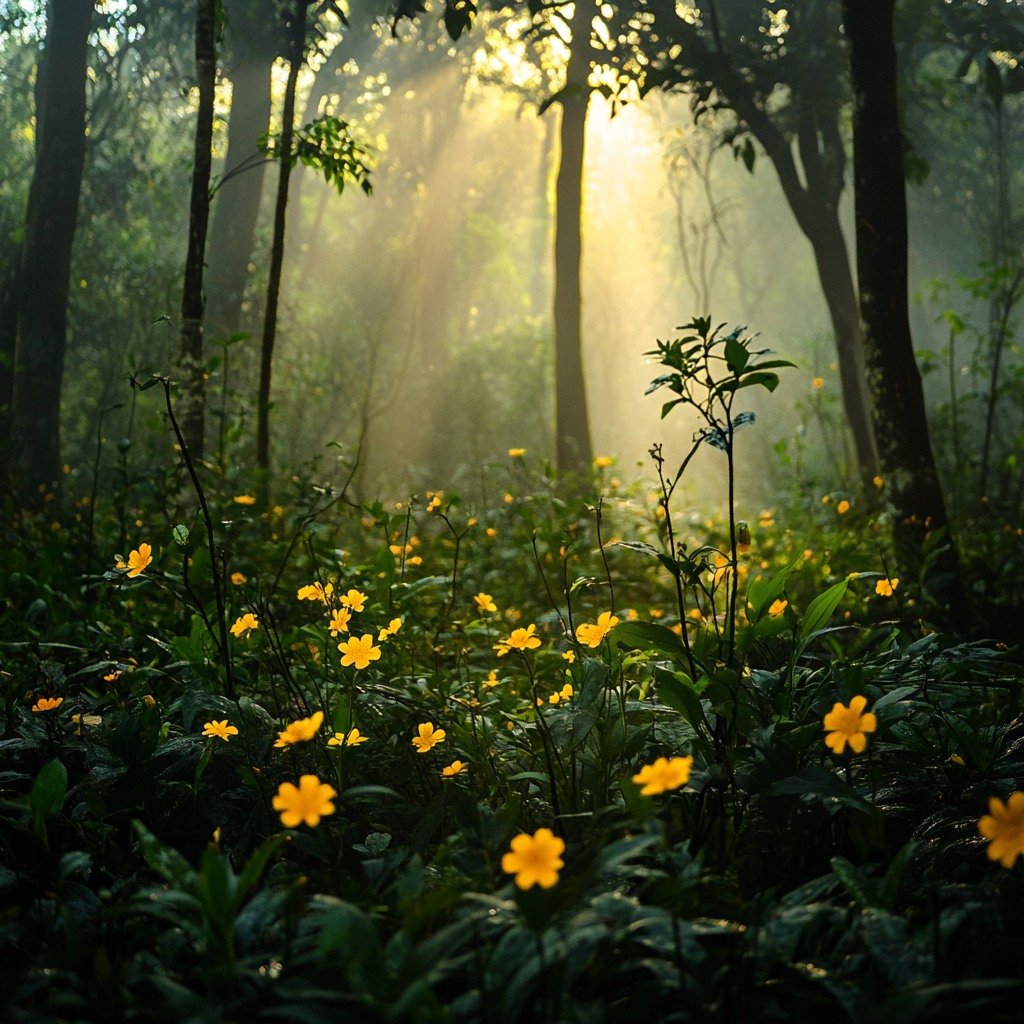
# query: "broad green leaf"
x,y
890,887
48,790
166,861
857,887
762,593
820,610
736,355
648,636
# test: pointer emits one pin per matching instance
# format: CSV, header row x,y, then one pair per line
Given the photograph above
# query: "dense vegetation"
x,y
316,704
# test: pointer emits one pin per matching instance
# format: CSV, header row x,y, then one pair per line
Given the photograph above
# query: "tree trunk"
x,y
9,268
572,429
191,361
894,382
297,41
50,219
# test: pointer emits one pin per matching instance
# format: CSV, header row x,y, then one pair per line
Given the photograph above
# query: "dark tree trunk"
x,y
10,266
572,429
191,361
46,258
894,382
297,34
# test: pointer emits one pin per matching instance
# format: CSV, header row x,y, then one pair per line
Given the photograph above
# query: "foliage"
x,y
145,870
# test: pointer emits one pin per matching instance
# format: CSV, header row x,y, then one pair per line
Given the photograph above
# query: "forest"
x,y
511,512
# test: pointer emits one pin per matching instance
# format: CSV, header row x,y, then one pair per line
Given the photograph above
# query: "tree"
x,y
191,359
50,220
252,38
784,82
572,429
894,382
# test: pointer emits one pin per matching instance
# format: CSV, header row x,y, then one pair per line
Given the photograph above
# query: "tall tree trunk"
x,y
10,265
894,382
572,429
297,35
238,198
46,256
191,361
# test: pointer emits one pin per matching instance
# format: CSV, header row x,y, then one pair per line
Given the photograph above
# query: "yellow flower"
x,y
390,629
570,656
818,382
353,600
808,553
415,560
339,621
138,560
111,676
221,729
300,731
245,624
602,462
1003,827
47,703
721,569
509,499
88,720
485,602
516,451
878,481
849,725
520,640
238,579
453,769
492,679
245,499
428,737
491,532
844,506
535,860
885,588
308,802
350,739
591,635
149,701
564,694
316,592
359,651
778,607
120,563
663,775
826,499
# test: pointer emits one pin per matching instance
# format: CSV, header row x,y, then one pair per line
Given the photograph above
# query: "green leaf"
x,y
181,535
48,790
534,776
204,760
817,781
890,887
857,887
648,636
736,355
166,861
762,593
820,610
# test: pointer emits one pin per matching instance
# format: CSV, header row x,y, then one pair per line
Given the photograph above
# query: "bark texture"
x,y
572,428
50,220
10,265
898,406
191,358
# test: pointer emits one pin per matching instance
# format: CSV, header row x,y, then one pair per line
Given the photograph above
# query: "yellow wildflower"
x,y
492,679
149,701
316,592
359,651
245,499
849,725
390,629
885,588
818,382
308,802
592,635
570,656
415,560
455,768
878,481
353,600
485,602
535,860
516,451
138,560
778,607
1003,827
844,506
221,729
238,579
491,532
339,621
663,775
428,737
300,731
521,640
111,676
602,462
47,703
350,739
564,694
245,624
